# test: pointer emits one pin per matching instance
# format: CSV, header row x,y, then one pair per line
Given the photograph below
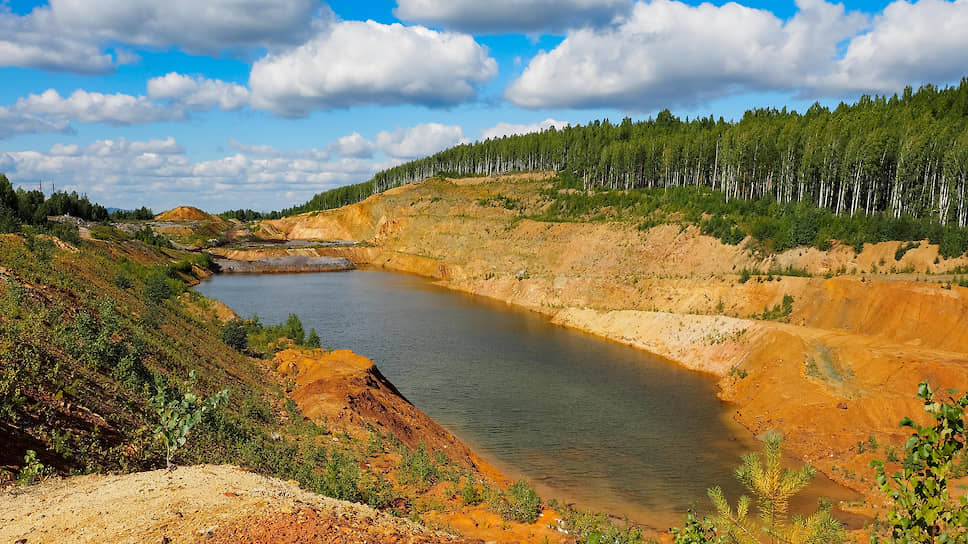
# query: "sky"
x,y
226,104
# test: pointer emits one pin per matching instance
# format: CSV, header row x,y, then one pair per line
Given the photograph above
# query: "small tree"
x,y
773,486
923,510
178,413
236,335
313,341
293,329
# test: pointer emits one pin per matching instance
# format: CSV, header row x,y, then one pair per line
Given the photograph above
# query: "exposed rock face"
x,y
289,263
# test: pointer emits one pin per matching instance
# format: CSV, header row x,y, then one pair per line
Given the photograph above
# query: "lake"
x,y
586,420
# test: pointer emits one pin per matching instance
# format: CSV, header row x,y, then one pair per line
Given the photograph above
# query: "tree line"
x,y
901,155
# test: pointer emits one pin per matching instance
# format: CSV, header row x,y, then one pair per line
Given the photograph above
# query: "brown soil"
x,y
842,368
347,391
203,503
186,213
350,393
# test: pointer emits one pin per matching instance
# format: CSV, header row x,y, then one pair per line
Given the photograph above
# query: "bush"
x,y
417,467
293,329
313,341
157,287
520,503
470,495
179,412
923,509
236,335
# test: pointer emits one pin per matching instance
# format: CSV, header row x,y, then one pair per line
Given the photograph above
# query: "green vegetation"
x,y
235,335
772,486
141,214
923,509
779,311
520,503
149,237
595,528
22,207
179,411
32,471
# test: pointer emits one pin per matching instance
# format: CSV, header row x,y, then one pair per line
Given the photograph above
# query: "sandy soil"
x,y
204,503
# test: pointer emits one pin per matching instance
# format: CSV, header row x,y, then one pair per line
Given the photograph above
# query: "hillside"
x,y
822,345
91,334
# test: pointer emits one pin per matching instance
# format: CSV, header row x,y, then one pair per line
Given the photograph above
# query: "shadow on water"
x,y
603,425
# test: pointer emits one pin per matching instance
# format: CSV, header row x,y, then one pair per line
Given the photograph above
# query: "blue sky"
x,y
262,103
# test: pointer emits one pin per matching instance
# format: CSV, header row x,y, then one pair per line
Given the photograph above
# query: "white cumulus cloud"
x,y
353,63
506,16
503,129
15,122
908,43
91,107
71,35
198,93
420,140
199,27
353,145
667,53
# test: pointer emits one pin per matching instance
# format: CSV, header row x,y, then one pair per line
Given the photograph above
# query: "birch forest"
x,y
901,155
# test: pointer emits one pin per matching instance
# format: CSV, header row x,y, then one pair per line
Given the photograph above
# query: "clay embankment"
x,y
841,368
347,393
288,263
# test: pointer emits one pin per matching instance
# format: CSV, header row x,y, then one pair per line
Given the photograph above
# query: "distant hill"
x,y
186,213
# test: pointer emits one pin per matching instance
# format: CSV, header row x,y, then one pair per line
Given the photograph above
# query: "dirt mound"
x,y
349,392
204,503
186,213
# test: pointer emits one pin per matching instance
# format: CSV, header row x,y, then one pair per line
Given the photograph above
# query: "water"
x,y
586,420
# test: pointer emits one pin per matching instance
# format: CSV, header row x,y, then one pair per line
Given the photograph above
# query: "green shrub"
x,y
32,471
158,288
313,341
594,528
923,509
470,495
236,335
293,329
417,467
179,412
520,503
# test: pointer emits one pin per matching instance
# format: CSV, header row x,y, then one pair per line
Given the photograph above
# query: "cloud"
x,y
158,173
87,107
419,141
70,35
353,145
507,129
198,93
51,112
923,42
268,151
13,123
30,41
667,54
510,16
352,63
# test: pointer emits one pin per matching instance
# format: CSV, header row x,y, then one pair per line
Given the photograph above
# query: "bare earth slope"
x,y
205,503
842,368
